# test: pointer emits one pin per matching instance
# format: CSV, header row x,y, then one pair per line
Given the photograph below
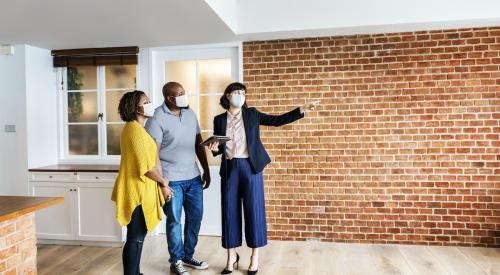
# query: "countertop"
x,y
12,207
77,168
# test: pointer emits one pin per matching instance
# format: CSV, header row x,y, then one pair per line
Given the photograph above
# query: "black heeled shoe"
x,y
225,271
252,272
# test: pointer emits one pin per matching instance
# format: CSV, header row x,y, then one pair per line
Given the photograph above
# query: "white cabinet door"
x,y
55,222
96,214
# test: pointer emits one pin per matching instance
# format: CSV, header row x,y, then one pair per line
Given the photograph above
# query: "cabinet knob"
x,y
50,177
96,178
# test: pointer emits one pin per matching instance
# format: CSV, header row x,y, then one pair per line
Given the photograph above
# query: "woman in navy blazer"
x,y
243,160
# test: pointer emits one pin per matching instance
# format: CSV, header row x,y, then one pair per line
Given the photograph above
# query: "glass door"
x,y
204,74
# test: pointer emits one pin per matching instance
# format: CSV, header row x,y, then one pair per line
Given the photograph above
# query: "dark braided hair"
x,y
127,108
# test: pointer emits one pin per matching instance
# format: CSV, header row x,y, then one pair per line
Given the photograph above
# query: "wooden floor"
x,y
280,257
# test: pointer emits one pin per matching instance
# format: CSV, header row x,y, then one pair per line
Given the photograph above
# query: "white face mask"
x,y
181,101
149,109
237,100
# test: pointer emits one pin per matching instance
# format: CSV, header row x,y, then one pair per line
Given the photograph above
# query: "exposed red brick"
x,y
404,147
18,246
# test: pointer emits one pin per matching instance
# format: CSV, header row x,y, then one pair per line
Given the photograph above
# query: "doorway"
x,y
204,73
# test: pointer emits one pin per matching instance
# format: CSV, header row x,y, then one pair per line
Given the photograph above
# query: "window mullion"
x,y
64,78
101,109
197,89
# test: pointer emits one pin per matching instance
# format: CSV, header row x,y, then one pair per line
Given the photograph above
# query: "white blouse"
x,y
237,146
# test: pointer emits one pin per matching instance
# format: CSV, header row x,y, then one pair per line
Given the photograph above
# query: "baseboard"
x,y
81,243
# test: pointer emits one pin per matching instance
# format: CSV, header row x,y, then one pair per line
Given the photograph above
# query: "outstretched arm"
x,y
280,120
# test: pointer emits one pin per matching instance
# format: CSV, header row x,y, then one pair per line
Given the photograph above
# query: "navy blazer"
x,y
252,119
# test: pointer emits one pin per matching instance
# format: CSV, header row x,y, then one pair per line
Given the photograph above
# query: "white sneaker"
x,y
178,268
194,263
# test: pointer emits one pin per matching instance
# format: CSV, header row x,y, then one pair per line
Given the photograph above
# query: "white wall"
x,y
41,102
13,150
27,96
227,11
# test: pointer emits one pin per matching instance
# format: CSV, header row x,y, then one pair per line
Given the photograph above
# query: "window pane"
x,y
113,138
120,77
193,104
215,75
82,78
82,106
83,140
112,100
209,108
183,72
211,159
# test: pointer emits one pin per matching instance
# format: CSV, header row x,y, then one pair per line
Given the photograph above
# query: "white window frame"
x,y
231,50
101,157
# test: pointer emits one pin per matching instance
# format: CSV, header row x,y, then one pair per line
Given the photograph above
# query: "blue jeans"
x,y
187,194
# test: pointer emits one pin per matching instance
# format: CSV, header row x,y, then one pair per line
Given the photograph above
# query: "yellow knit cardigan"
x,y
132,188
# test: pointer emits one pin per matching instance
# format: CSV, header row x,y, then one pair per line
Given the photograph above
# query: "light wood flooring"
x,y
280,257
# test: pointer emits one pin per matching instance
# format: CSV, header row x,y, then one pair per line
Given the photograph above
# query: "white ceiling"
x,y
60,24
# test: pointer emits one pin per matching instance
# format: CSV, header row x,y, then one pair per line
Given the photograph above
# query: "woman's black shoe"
x,y
225,271
250,272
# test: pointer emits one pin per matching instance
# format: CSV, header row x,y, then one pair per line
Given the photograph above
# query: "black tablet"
x,y
214,138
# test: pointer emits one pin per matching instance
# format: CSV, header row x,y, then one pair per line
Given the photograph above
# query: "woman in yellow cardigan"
x,y
140,187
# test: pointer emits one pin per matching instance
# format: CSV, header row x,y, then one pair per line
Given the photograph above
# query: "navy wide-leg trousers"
x,y
243,186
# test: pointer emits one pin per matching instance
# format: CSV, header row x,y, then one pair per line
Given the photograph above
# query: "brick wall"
x,y
18,245
404,147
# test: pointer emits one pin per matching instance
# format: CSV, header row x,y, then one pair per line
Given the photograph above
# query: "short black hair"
x,y
127,108
235,86
169,87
